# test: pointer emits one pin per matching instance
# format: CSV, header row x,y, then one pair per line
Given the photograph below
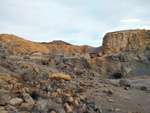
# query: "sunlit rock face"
x,y
126,52
18,46
130,40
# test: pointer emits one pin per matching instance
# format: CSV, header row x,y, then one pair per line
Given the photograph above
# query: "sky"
x,y
79,22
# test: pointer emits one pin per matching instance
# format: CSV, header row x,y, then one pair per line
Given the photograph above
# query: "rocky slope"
x,y
19,46
54,78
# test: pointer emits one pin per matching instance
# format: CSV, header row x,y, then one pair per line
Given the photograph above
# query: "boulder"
x,y
68,108
2,93
15,101
60,77
25,95
10,107
42,105
4,99
25,107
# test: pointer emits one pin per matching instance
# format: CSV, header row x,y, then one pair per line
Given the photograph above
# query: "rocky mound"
x,y
57,42
19,46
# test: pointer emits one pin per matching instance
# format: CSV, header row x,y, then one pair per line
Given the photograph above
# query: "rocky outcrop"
x,y
129,41
126,53
60,77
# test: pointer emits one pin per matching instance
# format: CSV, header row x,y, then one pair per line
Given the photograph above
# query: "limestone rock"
x,y
110,91
116,109
30,101
15,101
75,103
3,111
130,40
8,87
10,107
68,108
70,99
25,95
2,93
60,76
60,111
42,105
52,112
25,107
4,99
124,53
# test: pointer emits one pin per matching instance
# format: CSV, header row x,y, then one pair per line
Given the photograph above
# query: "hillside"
x,y
58,77
19,46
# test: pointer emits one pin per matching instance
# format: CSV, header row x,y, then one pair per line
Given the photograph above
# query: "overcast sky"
x,y
80,22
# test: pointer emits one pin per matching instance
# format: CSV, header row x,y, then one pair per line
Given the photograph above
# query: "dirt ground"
x,y
136,99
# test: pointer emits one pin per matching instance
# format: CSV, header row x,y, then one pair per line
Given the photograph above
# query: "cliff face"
x,y
124,55
124,52
130,40
19,46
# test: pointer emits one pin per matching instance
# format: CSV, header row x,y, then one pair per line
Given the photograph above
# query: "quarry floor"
x,y
134,99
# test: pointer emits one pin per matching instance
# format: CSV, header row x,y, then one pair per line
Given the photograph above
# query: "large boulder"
x,y
60,77
15,101
4,98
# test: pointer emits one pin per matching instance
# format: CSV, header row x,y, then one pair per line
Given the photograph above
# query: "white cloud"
x,y
80,22
130,20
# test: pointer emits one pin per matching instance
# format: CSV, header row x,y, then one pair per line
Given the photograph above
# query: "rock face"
x,y
132,41
124,53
